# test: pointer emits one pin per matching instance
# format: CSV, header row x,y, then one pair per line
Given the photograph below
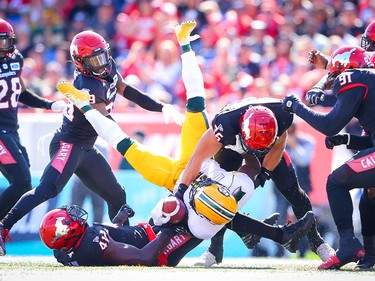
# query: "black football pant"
x,y
358,172
15,167
285,179
88,164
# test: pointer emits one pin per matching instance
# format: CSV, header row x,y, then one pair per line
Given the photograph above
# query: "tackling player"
x,y
14,160
72,147
355,91
215,196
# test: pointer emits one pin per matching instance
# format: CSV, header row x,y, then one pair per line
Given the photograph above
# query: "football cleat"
x,y
251,240
207,259
79,98
293,233
350,250
183,32
324,251
4,236
366,262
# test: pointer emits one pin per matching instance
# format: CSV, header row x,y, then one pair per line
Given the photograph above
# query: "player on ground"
x,y
204,220
72,147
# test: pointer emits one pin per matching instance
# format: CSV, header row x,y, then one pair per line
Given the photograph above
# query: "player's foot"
x,y
293,233
324,251
251,240
78,97
350,250
183,32
207,259
4,236
366,262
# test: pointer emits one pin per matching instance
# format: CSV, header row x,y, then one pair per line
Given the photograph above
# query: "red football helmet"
x,y
347,57
61,228
258,126
368,38
7,37
91,54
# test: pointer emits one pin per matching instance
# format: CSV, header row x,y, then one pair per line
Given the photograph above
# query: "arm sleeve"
x,y
143,100
333,122
33,100
359,142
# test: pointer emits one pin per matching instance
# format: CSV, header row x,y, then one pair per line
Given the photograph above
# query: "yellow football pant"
x,y
163,170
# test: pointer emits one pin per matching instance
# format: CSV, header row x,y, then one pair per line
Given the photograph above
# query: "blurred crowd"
x,y
247,47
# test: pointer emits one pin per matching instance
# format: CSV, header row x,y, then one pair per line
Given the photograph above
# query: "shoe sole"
x,y
185,30
68,90
359,255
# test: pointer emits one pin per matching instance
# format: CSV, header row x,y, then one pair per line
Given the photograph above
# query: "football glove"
x,y
170,112
123,214
291,103
58,106
180,191
157,214
262,177
337,140
314,96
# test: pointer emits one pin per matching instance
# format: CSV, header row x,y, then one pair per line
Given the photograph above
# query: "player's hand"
x,y
291,103
336,140
170,112
314,96
157,214
262,177
123,214
58,106
317,59
180,191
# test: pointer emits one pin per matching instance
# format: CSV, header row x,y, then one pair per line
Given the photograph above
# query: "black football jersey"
x,y
226,123
92,246
75,127
355,92
10,90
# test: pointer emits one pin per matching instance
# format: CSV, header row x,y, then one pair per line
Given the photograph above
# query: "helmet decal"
x,y
61,228
343,58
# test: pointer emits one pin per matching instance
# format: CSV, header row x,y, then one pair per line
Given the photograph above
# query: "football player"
x,y
215,196
367,201
14,160
72,147
354,89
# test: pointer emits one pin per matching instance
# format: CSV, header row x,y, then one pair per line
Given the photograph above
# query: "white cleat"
x,y
324,251
206,260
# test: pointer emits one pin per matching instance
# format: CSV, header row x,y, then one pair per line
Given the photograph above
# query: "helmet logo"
x,y
246,126
61,228
343,58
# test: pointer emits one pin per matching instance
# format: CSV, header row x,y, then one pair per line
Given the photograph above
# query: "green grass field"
x,y
40,268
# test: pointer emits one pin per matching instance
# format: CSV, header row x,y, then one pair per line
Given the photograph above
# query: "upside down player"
x,y
203,221
72,147
355,91
14,160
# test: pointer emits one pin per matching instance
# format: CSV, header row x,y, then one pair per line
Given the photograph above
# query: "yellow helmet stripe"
x,y
220,210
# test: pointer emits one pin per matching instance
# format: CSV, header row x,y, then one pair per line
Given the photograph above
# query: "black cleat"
x,y
293,233
251,240
366,262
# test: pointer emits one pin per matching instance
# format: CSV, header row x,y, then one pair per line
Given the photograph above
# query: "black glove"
x,y
262,177
291,103
337,140
314,96
181,190
123,214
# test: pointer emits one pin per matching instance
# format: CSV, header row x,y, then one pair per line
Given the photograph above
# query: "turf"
x,y
46,268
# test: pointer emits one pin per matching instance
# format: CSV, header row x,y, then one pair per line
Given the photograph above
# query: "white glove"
x,y
58,106
157,214
170,112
